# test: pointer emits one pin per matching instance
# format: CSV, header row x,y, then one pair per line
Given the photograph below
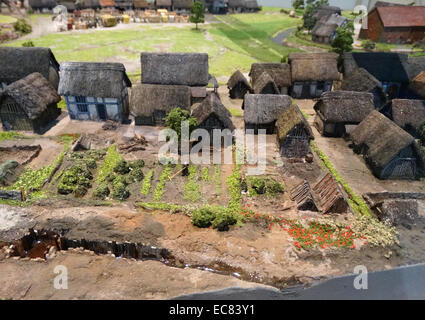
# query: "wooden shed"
x,y
238,85
387,149
29,104
336,109
293,133
312,74
262,110
280,73
150,104
95,91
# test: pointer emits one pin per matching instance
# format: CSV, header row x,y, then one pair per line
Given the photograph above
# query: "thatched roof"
x,y
93,79
236,78
236,4
163,3
145,98
189,69
362,81
32,93
289,119
314,67
408,114
265,84
85,4
414,66
213,106
384,66
182,4
346,107
380,139
69,5
327,25
325,11
251,4
42,4
280,72
140,4
418,85
17,63
264,108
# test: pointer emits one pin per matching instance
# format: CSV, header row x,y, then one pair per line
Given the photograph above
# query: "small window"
x,y
82,108
80,99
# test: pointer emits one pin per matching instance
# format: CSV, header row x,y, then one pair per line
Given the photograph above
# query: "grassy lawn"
x,y
306,40
6,19
235,42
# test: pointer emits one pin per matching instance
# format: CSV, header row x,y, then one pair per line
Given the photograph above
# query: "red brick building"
x,y
395,24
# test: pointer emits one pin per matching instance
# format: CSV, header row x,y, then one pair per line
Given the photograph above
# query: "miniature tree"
x,y
298,4
310,11
197,11
344,40
175,118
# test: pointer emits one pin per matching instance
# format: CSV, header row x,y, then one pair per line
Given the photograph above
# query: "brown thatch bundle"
x,y
418,85
292,118
362,81
34,94
264,108
212,106
146,98
190,69
140,4
238,85
17,63
182,4
280,72
314,67
93,79
408,114
346,107
265,85
380,140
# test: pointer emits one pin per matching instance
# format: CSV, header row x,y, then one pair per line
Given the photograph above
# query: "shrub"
x,y
259,185
368,45
28,43
203,217
224,218
137,164
91,164
22,26
80,191
217,217
75,180
120,191
175,118
136,175
122,167
101,192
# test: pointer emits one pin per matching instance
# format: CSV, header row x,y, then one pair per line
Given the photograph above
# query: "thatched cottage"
x,y
336,109
150,104
280,73
393,70
95,91
312,74
417,86
388,149
164,4
293,133
179,5
262,110
325,30
238,85
17,63
362,81
265,85
407,114
29,104
325,11
211,114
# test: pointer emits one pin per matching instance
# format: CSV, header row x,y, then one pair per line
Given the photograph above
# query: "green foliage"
x,y
9,135
175,118
28,43
197,13
160,187
122,167
146,184
75,180
234,188
368,45
162,206
422,134
120,191
344,39
356,203
206,174
298,4
191,188
310,11
260,185
22,27
217,179
136,174
111,160
62,104
101,192
215,216
285,59
137,164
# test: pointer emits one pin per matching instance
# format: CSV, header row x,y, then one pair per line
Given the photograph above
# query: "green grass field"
x,y
233,42
6,19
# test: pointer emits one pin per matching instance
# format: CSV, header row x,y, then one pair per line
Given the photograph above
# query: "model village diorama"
x,y
342,185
